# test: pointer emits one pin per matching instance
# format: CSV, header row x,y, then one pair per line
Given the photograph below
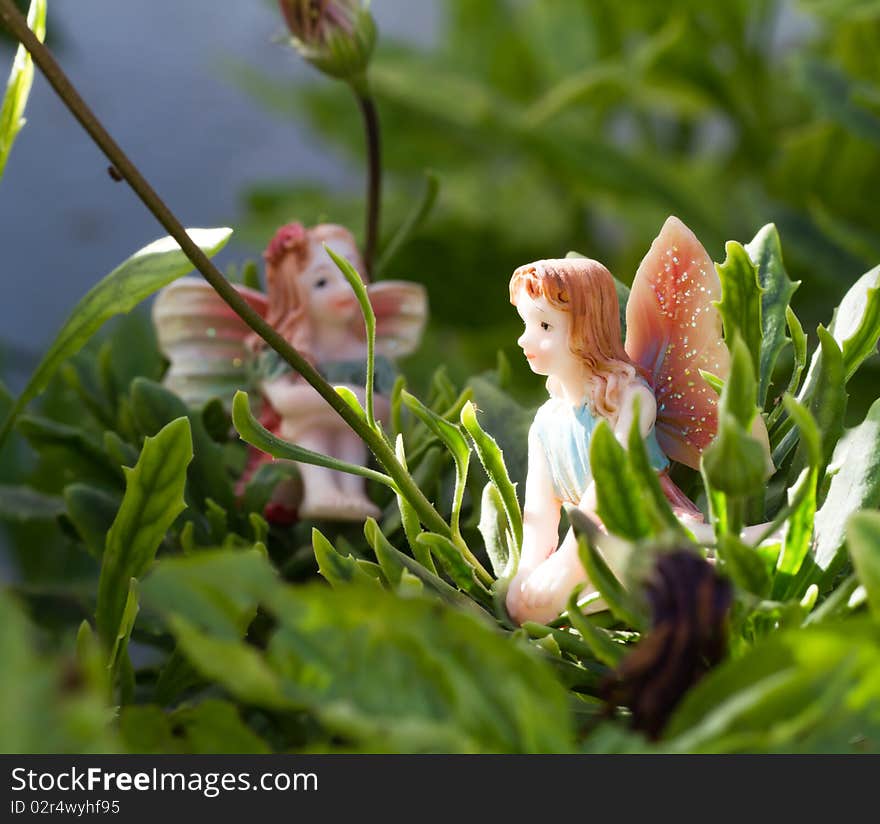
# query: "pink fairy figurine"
x,y
309,301
572,335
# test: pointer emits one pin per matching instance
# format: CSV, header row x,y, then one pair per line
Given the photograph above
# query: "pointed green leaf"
x,y
619,496
740,304
856,322
338,569
765,252
388,559
494,529
456,566
153,499
22,503
598,640
492,460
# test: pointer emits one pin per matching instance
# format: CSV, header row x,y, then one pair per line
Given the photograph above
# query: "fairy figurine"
x,y
309,301
572,335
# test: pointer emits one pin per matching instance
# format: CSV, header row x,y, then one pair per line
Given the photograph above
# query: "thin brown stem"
x,y
43,59
374,177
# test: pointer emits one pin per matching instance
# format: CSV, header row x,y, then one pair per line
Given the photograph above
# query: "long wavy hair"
x,y
585,289
288,304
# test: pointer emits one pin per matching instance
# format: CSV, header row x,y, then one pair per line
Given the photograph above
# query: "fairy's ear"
x,y
673,330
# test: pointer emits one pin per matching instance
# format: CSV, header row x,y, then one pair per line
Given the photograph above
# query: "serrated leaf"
x,y
620,503
740,304
492,459
18,86
338,569
125,287
153,499
765,252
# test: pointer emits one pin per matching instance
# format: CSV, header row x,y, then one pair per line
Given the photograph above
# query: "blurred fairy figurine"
x,y
308,300
572,335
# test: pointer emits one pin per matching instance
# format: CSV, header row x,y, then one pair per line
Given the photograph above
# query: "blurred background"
x,y
550,126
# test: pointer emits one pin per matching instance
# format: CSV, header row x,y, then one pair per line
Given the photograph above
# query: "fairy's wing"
x,y
672,332
401,309
204,340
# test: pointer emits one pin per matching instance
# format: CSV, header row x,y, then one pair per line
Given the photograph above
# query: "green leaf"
x,y
338,569
388,559
125,287
117,660
798,532
494,529
854,486
153,499
198,589
863,540
824,395
744,565
18,87
598,640
452,436
622,605
492,459
765,252
619,496
251,431
40,712
740,304
22,503
658,509
856,322
214,727
92,512
456,566
409,518
789,687
360,291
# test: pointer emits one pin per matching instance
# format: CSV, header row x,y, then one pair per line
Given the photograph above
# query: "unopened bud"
x,y
336,36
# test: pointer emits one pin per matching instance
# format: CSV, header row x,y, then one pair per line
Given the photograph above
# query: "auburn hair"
x,y
287,301
585,289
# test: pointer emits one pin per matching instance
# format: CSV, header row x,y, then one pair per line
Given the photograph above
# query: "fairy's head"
x,y
305,288
570,310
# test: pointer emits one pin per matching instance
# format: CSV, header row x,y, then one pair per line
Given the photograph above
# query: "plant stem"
x,y
17,25
374,176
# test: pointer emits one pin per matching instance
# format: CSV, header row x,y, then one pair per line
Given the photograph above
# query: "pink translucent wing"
x,y
672,332
401,309
203,339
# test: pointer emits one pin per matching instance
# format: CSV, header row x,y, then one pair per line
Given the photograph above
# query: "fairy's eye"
x,y
545,326
320,284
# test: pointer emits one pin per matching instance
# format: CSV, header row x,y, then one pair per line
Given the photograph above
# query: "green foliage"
x,y
458,684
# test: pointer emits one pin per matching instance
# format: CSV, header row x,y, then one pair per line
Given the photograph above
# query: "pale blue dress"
x,y
565,432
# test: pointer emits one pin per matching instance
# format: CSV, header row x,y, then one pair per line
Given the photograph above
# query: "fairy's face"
x,y
545,339
323,287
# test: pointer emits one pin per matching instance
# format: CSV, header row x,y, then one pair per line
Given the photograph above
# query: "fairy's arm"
x,y
541,510
635,393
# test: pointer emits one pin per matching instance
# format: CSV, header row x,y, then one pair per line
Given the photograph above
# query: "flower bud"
x,y
336,36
